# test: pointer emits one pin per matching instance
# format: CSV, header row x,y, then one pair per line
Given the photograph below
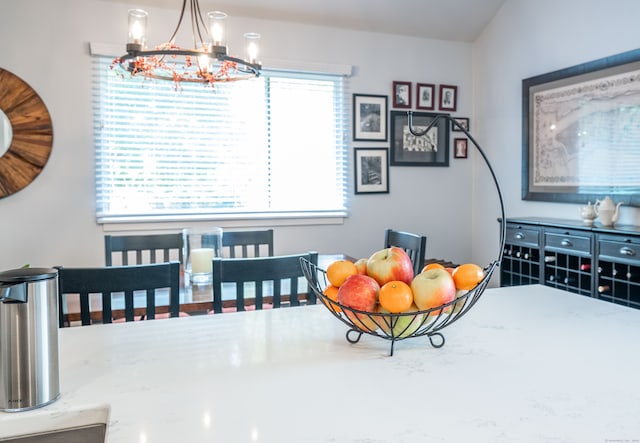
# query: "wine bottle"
x,y
570,281
526,256
603,288
586,267
518,254
549,259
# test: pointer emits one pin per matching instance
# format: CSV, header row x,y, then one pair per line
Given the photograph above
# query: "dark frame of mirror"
x,y
32,138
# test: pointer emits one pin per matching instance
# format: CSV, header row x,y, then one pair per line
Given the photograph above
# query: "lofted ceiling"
x,y
458,20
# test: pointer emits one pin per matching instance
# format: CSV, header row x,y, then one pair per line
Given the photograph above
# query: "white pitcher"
x,y
607,211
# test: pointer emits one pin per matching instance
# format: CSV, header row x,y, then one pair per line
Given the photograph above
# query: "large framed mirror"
x,y
26,134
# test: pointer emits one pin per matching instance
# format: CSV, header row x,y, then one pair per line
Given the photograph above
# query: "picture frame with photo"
x,y
425,96
448,98
370,117
580,132
371,170
402,95
460,147
462,121
406,149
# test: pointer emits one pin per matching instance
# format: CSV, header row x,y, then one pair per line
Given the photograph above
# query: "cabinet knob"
x,y
627,251
566,242
519,235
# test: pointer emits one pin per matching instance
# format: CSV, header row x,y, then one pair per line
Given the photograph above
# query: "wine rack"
x,y
521,257
593,261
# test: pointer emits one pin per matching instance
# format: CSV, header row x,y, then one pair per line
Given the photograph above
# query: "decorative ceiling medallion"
x,y
32,134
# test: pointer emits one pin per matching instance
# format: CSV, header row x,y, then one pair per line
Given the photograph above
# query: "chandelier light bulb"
x,y
137,26
252,45
217,27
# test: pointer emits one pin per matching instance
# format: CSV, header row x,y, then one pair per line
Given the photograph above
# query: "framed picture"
x,y
369,117
371,170
432,149
462,121
460,147
448,97
402,95
580,132
425,96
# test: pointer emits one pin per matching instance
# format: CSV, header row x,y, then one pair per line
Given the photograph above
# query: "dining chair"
x,y
261,282
143,249
245,244
413,244
116,289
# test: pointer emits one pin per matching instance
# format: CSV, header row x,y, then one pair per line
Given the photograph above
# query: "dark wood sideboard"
x,y
594,261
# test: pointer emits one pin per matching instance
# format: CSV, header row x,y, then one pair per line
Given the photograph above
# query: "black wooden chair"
x,y
282,273
112,283
413,244
147,248
245,244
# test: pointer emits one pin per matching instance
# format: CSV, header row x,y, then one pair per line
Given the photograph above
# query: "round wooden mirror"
x,y
31,134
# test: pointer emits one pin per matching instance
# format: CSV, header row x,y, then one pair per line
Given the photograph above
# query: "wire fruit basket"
x,y
400,326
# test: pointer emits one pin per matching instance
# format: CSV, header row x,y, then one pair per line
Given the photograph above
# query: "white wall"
x,y
527,38
52,221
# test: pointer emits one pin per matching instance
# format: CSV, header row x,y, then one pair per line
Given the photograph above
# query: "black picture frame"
x,y
402,95
426,96
408,150
579,135
460,147
370,117
463,121
371,170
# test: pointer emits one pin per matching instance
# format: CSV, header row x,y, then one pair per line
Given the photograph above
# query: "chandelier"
x,y
208,61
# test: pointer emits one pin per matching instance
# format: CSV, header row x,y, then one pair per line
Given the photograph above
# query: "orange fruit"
x,y
395,296
432,266
332,292
467,276
339,271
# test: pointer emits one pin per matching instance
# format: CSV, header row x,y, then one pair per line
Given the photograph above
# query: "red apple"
x,y
361,265
359,292
433,288
390,264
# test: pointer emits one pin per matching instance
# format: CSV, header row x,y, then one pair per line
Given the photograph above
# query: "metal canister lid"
x,y
25,275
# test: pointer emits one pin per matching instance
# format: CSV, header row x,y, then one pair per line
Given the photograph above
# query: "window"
x,y
273,146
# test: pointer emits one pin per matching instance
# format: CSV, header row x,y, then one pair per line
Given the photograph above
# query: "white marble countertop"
x,y
526,364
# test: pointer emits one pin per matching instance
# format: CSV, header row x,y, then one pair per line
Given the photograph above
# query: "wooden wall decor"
x,y
32,134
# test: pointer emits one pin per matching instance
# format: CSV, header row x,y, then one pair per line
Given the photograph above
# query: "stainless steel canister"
x,y
29,365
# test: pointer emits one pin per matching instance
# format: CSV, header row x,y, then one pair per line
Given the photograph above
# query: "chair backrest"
x,y
413,244
245,244
281,273
113,287
146,248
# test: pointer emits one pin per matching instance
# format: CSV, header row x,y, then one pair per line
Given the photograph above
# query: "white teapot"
x,y
607,211
588,214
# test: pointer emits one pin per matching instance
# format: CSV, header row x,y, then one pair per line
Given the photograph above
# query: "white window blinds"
x,y
270,147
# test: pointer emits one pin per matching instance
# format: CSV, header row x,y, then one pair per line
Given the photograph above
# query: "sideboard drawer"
x,y
624,251
567,242
523,236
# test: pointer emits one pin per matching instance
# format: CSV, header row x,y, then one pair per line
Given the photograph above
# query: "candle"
x,y
201,260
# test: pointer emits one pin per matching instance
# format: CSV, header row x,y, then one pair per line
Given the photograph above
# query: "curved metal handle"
x,y
519,236
455,123
566,242
627,251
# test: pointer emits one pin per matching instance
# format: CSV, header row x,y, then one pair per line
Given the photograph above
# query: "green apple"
x,y
398,325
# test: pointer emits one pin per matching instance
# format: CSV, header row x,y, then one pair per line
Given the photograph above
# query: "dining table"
x,y
195,298
525,364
